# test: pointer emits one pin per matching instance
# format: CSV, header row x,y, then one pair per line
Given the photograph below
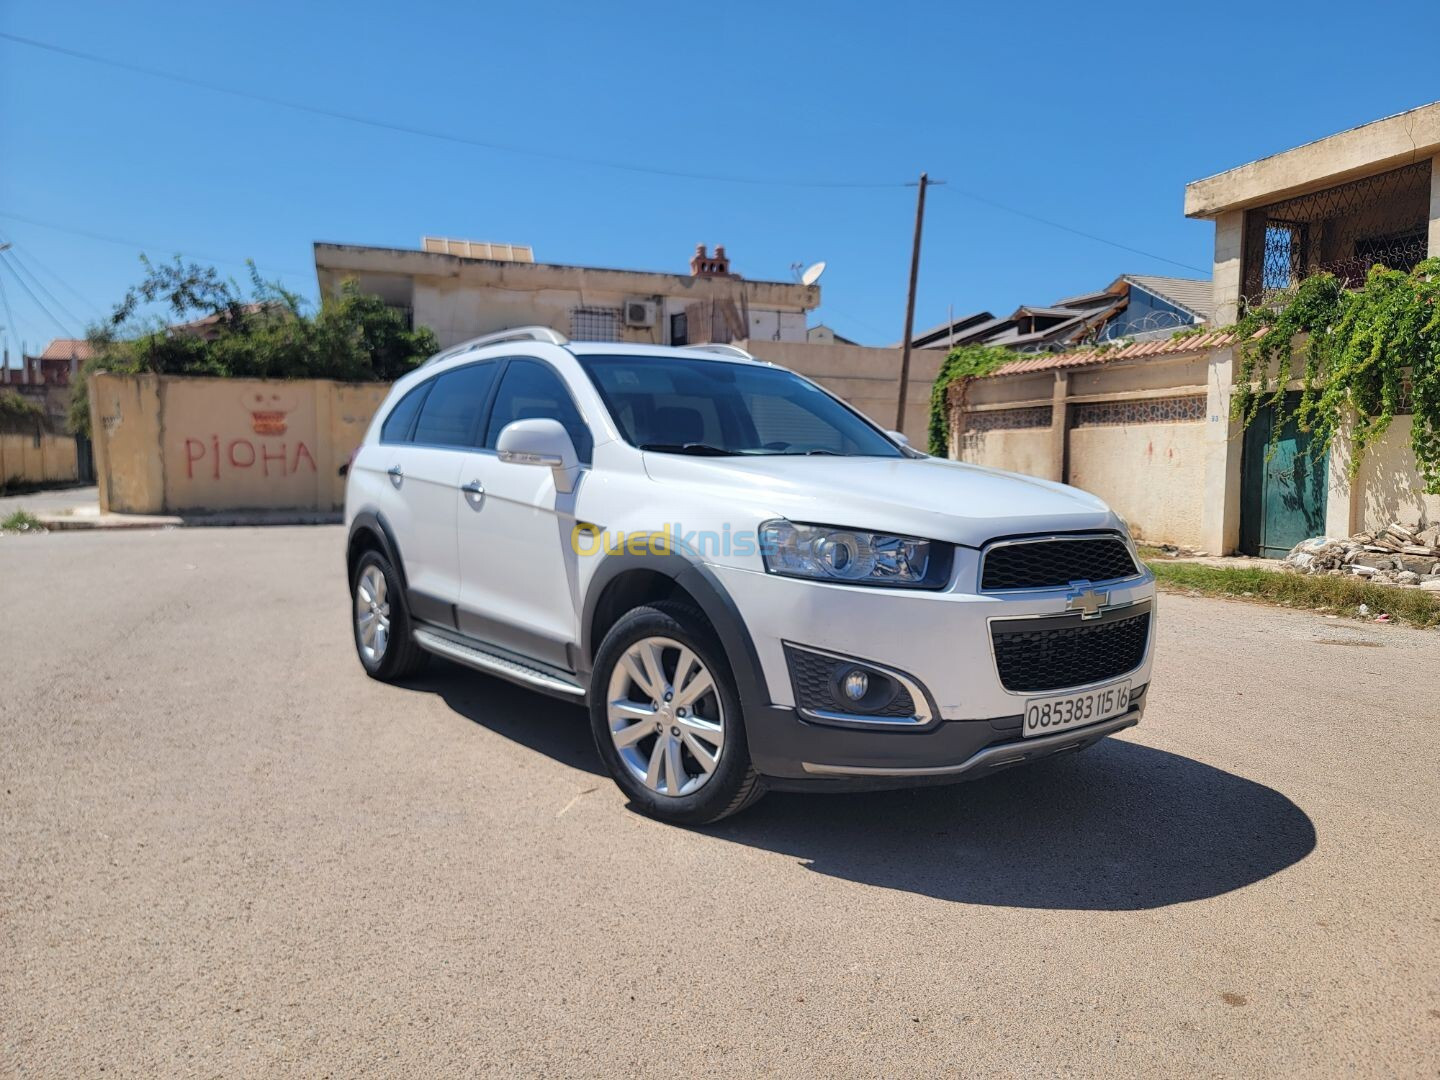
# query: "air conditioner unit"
x,y
639,313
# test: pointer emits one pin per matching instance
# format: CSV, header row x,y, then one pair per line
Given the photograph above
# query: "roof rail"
x,y
724,350
519,333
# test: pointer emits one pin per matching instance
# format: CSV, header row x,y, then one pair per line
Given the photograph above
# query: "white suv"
x,y
747,582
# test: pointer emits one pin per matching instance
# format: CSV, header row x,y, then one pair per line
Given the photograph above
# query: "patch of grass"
x,y
21,521
1319,592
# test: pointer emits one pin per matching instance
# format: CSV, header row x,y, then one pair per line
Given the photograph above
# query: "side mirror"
x,y
899,437
543,442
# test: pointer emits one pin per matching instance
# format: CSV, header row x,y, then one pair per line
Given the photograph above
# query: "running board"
x,y
495,664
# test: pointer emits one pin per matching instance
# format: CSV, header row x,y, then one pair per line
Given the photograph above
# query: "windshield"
x,y
685,406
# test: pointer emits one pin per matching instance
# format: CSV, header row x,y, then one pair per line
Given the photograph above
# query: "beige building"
x,y
461,289
1147,425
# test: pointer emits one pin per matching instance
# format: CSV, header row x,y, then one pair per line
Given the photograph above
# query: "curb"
x,y
107,522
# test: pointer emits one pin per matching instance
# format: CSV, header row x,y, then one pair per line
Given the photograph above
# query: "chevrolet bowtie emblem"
x,y
1087,601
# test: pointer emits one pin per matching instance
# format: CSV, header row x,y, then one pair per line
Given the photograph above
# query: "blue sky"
x,y
1091,116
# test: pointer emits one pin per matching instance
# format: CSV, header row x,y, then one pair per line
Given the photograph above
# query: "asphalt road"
x,y
224,851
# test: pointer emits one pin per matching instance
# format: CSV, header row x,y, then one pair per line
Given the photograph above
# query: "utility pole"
x,y
910,305
5,363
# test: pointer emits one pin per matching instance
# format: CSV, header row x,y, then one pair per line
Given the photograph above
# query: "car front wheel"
x,y
667,719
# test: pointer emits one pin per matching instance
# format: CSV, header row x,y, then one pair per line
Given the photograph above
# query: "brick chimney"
x,y
703,264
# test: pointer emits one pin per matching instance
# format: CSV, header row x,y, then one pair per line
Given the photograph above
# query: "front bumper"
x,y
942,640
797,755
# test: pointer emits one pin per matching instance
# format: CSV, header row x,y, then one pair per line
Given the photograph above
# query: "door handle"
x,y
397,474
474,492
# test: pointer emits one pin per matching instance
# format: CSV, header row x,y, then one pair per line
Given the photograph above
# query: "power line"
x,y
430,133
30,293
14,257
10,323
1076,232
531,151
142,245
29,254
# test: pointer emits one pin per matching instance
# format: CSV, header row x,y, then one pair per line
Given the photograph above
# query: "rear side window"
x,y
396,428
530,390
450,415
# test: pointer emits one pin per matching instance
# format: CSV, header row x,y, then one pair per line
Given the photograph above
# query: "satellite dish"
x,y
812,275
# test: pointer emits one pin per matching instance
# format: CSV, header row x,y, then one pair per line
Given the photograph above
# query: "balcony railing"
x,y
1345,230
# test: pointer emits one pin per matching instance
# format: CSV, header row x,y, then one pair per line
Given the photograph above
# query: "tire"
x,y
709,727
399,657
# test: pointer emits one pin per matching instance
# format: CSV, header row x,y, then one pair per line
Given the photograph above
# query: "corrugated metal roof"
x,y
1061,312
1091,357
1195,295
961,324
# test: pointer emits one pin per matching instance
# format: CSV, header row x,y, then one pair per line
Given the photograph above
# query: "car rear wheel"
x,y
667,720
381,621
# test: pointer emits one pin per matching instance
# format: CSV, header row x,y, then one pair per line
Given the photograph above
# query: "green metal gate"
x,y
1282,495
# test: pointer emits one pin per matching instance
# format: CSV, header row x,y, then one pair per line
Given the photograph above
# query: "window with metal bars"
x,y
595,324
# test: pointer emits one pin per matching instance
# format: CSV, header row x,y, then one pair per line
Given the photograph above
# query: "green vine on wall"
x,y
965,362
1363,350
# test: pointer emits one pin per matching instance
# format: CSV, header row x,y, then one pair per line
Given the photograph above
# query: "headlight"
x,y
831,553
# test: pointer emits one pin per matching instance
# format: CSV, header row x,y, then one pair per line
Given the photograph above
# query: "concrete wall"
x,y
1022,450
1387,486
43,458
1152,474
1134,432
1154,439
169,444
866,378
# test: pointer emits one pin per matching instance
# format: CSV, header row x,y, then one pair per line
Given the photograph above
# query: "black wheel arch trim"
x,y
715,604
375,523
423,606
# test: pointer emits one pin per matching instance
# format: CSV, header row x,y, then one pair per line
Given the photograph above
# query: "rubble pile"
x,y
1394,555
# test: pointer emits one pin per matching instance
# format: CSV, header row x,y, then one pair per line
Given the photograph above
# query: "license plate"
x,y
1049,714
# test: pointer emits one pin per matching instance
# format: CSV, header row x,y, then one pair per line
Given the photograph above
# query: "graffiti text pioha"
x,y
212,457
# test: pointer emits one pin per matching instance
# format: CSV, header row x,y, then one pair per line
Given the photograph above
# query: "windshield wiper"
x,y
699,449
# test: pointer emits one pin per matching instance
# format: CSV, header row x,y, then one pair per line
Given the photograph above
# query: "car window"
x,y
530,390
682,404
396,428
780,420
450,415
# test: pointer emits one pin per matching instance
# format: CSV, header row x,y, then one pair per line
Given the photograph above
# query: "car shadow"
x,y
1121,827
547,725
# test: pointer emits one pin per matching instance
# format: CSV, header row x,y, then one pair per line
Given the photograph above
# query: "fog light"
x,y
856,684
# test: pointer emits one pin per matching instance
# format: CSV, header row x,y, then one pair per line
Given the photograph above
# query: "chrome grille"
x,y
1055,562
1054,654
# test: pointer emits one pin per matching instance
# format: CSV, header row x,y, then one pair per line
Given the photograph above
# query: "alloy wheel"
x,y
666,718
372,614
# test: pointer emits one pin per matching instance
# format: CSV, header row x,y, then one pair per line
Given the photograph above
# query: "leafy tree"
x,y
216,329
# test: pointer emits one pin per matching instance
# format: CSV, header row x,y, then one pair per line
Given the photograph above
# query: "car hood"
x,y
926,497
